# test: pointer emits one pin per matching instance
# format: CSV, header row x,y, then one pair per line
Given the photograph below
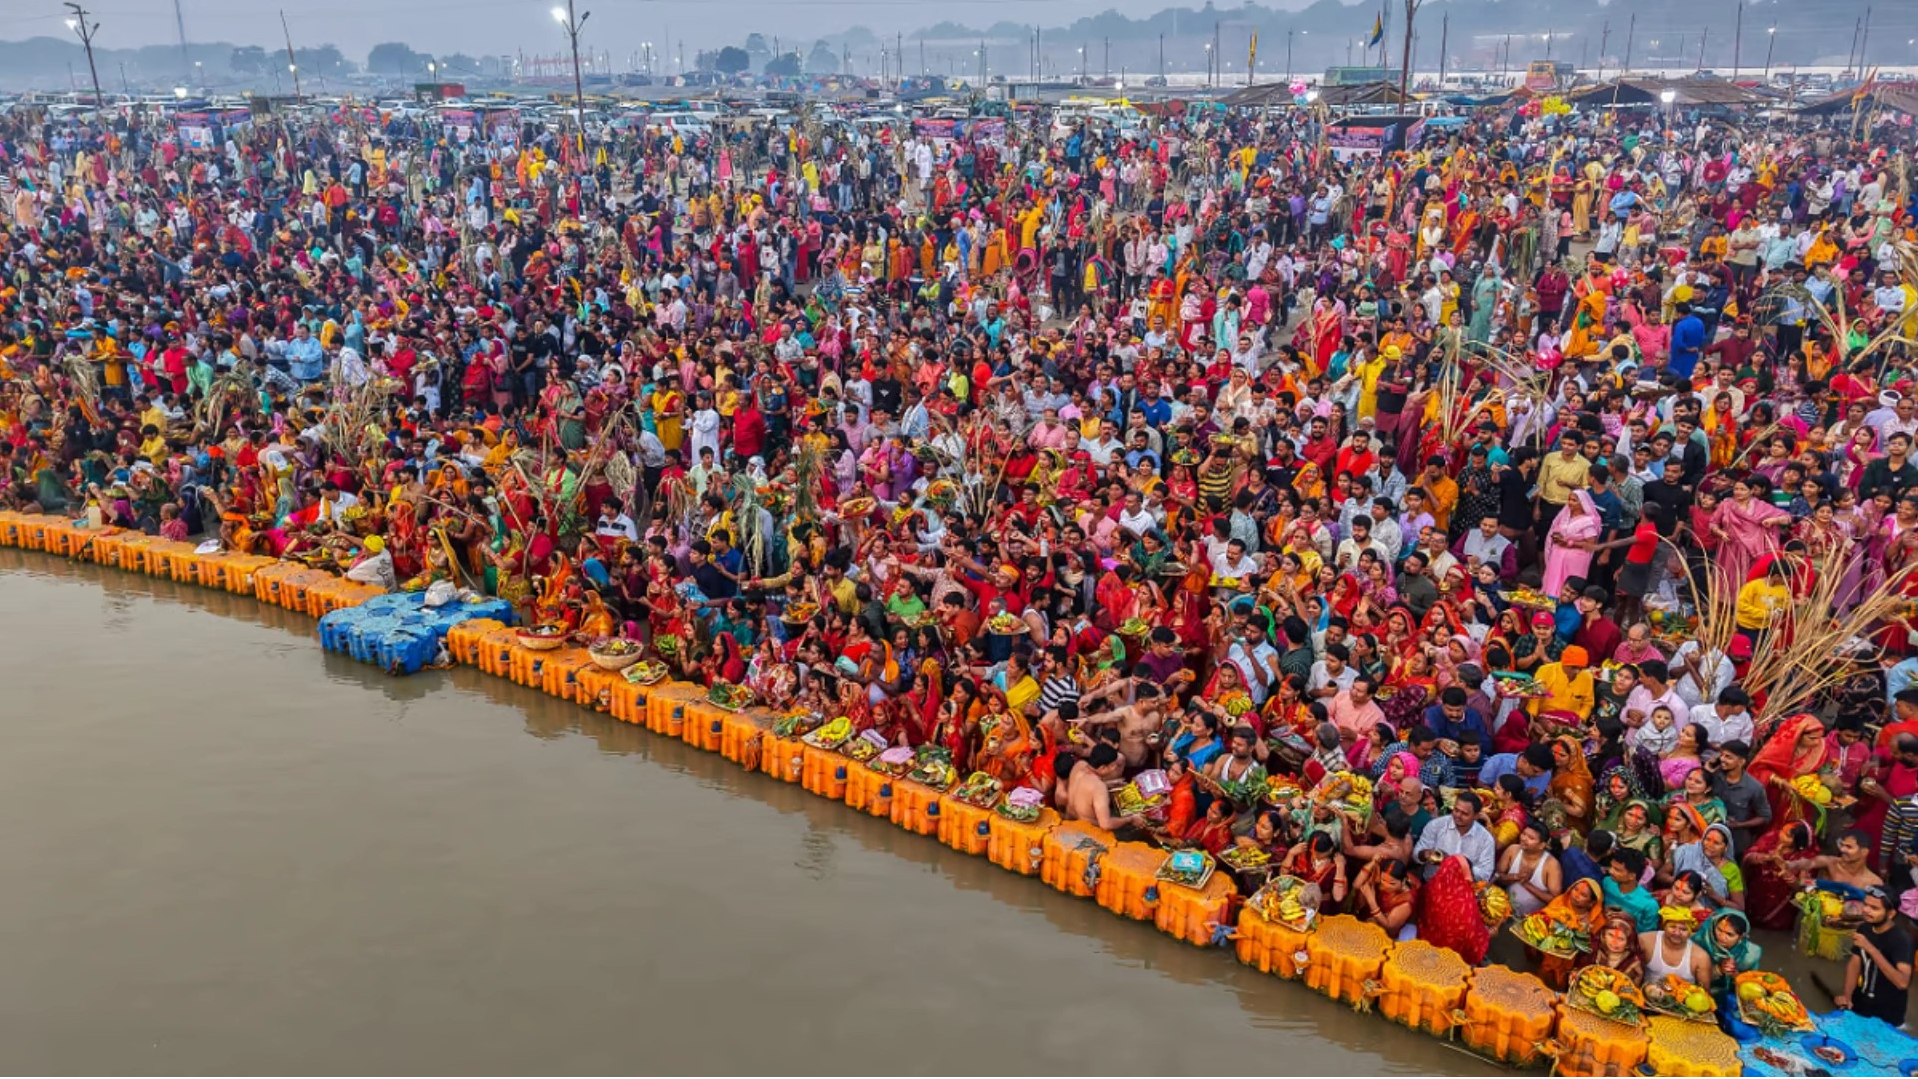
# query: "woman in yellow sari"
x,y
1720,425
1588,325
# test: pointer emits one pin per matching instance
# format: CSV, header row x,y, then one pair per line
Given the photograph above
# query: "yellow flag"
x,y
1252,56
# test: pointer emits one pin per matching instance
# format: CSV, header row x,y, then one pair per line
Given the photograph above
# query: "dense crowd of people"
x,y
1365,508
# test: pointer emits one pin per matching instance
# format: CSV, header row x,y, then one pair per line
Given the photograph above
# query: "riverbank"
x,y
1508,1016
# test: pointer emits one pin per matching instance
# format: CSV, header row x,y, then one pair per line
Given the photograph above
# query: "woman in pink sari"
x,y
1568,550
1327,327
1747,529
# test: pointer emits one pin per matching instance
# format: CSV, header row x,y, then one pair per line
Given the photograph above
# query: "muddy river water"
x,y
227,851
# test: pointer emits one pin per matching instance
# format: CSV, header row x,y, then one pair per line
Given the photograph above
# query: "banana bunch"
x,y
1813,791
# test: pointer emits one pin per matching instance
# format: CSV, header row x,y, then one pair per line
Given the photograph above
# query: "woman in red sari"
x,y
1448,914
1318,861
1770,882
1797,748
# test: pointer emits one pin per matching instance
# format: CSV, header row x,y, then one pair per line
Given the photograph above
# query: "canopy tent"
x,y
1898,97
1688,93
1268,94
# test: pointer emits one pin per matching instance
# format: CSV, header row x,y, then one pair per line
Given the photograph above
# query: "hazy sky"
x,y
503,26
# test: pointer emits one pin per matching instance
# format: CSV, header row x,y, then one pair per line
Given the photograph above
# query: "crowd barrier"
x,y
1501,1014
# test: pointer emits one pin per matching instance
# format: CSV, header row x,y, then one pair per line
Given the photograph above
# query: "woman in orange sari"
x,y
1572,783
1580,906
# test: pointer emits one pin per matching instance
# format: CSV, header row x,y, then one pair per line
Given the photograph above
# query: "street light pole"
x,y
1771,40
79,25
571,23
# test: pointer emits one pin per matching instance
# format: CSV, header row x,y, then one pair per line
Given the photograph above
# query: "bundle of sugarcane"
x,y
352,425
84,377
1830,618
809,475
751,538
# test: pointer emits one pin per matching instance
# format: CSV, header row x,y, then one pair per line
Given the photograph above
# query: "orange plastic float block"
x,y
34,529
496,652
824,772
323,596
347,594
705,726
60,537
559,672
84,545
666,707
1681,1047
630,702
463,642
598,688
1194,915
1018,846
267,580
965,828
133,552
1508,1014
240,569
295,590
159,560
1071,853
1423,985
783,759
1593,1045
1128,883
1269,946
916,807
174,561
9,528
528,665
736,729
106,547
212,571
1344,954
866,790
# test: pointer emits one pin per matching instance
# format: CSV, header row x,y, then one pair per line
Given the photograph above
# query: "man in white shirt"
x,y
1458,832
1726,718
1699,676
1352,546
1233,562
613,521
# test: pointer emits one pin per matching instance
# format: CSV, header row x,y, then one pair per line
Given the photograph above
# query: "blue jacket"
x,y
1688,342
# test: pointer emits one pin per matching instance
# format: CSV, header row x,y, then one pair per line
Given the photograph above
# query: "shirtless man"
x,y
1136,722
1239,760
1672,951
1850,865
1088,798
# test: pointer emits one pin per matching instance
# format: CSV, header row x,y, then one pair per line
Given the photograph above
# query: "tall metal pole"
x,y
1630,29
1738,38
570,20
1771,40
1218,58
86,30
292,64
1864,40
179,26
1604,42
1288,54
1161,56
1852,53
1705,34
1445,33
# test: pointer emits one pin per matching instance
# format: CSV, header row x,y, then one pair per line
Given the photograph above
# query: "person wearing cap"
x,y
1878,974
1570,688
1670,950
